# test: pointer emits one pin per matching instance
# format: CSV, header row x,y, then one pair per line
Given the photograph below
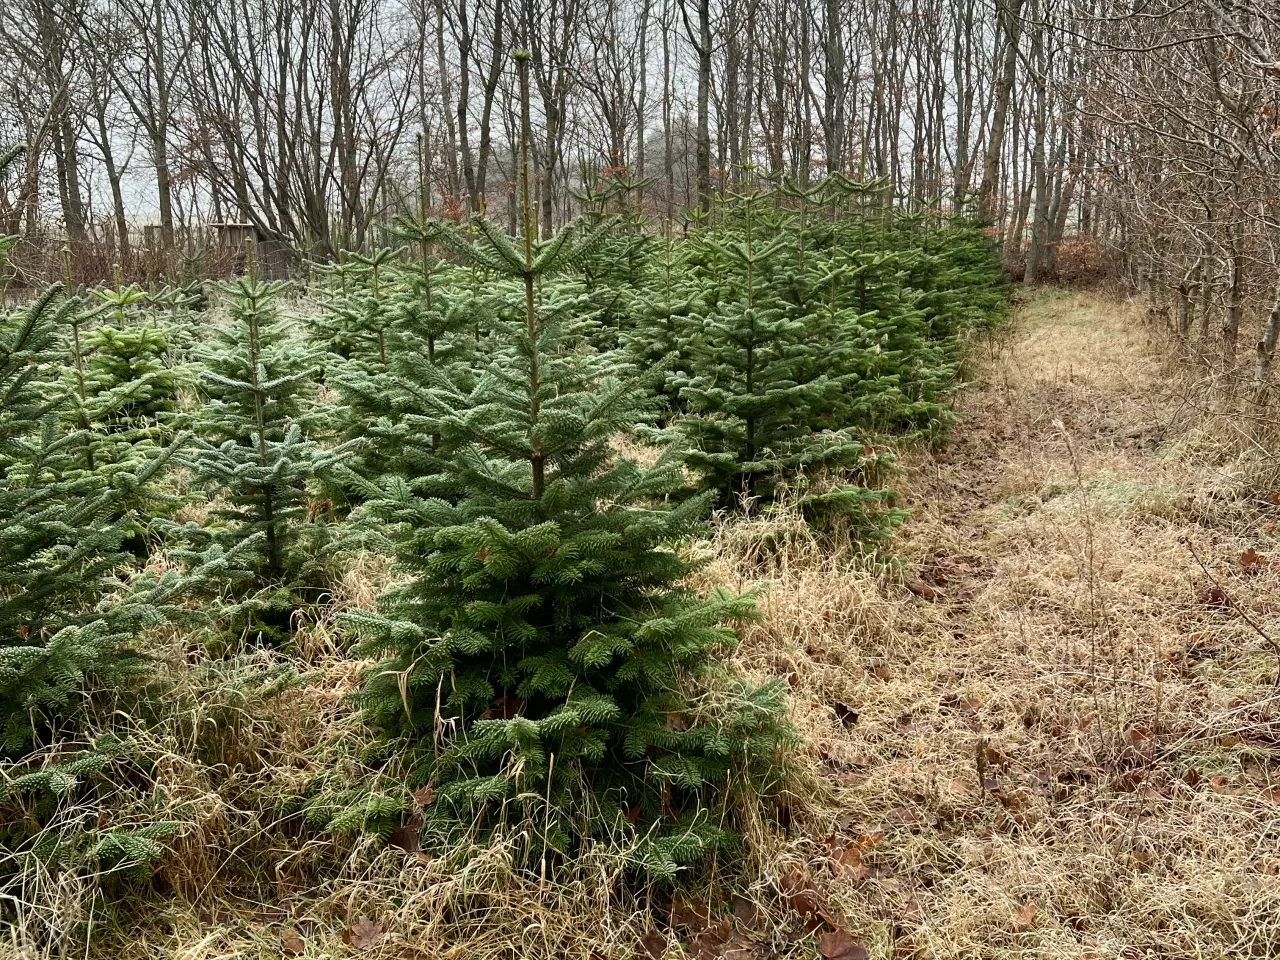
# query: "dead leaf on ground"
x,y
1129,781
847,861
654,944
1252,561
707,944
924,591
1137,736
1024,917
845,714
291,943
959,702
747,912
906,817
838,945
1215,596
994,757
424,796
364,934
407,835
801,896
742,948
685,913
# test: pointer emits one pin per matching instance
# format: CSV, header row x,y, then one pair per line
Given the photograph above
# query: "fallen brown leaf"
x,y
847,861
845,714
364,934
838,945
407,835
689,914
654,944
924,591
801,896
1214,596
1023,918
707,944
746,912
291,943
1252,561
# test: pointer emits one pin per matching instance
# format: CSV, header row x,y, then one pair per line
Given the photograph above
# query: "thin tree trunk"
x,y
1235,303
1266,350
1007,15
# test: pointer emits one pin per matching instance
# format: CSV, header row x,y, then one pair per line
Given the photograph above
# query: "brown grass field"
x,y
1044,729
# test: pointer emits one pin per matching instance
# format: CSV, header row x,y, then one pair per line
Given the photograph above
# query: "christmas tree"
x,y
66,623
763,400
434,320
255,458
541,653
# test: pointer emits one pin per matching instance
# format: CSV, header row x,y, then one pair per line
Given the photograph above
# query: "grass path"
x,y
1067,735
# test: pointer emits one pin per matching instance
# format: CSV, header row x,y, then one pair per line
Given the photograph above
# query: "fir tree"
x,y
763,400
432,322
255,458
539,653
661,323
129,390
356,323
64,621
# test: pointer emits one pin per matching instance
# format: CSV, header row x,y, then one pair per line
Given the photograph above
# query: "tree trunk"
x,y
1206,297
833,117
1235,303
1007,15
702,150
1185,289
1266,350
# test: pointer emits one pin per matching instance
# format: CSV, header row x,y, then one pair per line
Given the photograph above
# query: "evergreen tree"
x,y
355,324
661,321
434,321
129,390
763,399
65,621
540,651
255,458
179,313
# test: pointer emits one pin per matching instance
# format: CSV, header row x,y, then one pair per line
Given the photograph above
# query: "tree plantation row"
x,y
534,431
1096,139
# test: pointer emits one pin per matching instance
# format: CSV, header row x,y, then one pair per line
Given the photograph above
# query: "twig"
x,y
1275,685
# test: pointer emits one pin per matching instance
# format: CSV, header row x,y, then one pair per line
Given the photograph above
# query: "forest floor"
x,y
1045,730
1068,735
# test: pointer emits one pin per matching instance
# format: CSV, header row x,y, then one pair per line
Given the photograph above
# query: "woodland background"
x,y
1139,135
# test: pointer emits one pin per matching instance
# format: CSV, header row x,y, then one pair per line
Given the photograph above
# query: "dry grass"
x,y
1055,716
1065,742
